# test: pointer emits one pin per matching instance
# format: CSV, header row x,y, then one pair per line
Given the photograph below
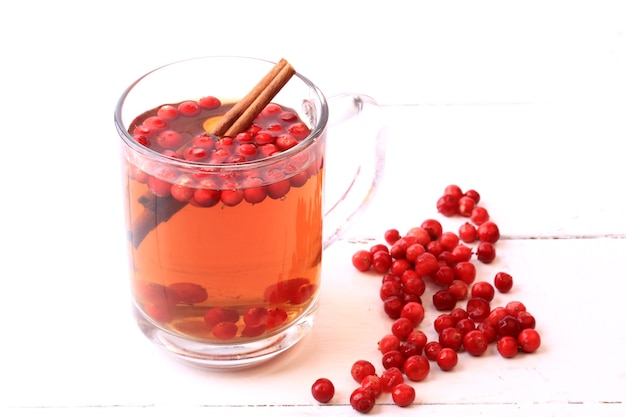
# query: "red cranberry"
x,y
419,235
451,338
475,343
414,312
403,395
416,368
432,349
508,326
401,327
447,205
361,368
154,125
526,320
503,282
393,306
362,260
426,264
484,290
381,262
255,316
206,198
433,227
449,240
434,247
444,276
465,271
189,293
458,314
473,194
466,205
373,382
443,321
167,112
388,343
507,346
196,154
488,330
393,359
275,317
225,330
479,216
209,103
418,338
462,253
478,309
488,232
486,252
323,390
453,190
362,400
189,108
465,325
392,236
284,142
447,359
459,289
444,300
514,307
529,340
390,378
467,232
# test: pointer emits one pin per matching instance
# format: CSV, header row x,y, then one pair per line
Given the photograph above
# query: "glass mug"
x,y
225,254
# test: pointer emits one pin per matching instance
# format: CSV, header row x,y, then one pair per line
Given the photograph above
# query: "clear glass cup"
x,y
225,255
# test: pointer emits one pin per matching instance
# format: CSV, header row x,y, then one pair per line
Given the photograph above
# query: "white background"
x,y
523,101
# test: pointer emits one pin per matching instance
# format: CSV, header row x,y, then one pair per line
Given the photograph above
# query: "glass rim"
x,y
315,131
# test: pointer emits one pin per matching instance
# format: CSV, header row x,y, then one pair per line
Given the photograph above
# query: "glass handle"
x,y
355,160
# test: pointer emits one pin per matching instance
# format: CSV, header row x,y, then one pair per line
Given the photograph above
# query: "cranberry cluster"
x,y
427,255
159,302
180,131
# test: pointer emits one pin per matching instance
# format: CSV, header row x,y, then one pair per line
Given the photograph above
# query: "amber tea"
x,y
228,255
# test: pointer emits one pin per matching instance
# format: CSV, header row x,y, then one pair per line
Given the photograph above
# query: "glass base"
x,y
225,356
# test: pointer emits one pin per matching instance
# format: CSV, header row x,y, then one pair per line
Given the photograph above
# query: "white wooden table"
x,y
525,104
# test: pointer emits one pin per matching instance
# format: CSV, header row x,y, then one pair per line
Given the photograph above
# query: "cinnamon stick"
x,y
261,100
237,119
240,107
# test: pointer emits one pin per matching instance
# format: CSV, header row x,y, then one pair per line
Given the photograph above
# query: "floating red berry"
x,y
167,112
189,108
209,103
